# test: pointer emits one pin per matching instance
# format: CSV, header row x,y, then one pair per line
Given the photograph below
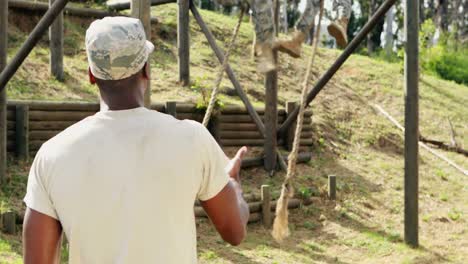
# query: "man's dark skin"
x,y
227,210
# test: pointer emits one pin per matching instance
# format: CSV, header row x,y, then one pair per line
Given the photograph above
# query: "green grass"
x,y
351,140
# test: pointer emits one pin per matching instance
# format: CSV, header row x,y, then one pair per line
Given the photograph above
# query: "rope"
x,y
219,78
280,225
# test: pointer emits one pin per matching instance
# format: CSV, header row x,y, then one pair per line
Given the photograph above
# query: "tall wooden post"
x,y
271,110
411,122
141,9
3,105
56,46
183,42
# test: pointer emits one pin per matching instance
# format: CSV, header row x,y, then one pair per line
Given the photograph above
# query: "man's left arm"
x,y
41,238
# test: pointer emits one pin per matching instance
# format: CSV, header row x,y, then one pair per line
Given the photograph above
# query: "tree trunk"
x,y
442,15
389,31
370,43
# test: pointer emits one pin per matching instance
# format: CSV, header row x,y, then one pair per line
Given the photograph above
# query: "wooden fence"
x,y
31,123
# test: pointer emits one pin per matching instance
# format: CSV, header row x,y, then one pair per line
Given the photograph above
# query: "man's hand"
x,y
236,163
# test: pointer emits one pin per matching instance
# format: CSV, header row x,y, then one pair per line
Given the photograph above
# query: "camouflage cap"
x,y
117,47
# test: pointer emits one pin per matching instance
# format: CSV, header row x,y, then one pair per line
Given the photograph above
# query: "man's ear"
x,y
92,79
146,71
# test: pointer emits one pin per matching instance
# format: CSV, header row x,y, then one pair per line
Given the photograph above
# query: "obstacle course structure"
x,y
268,129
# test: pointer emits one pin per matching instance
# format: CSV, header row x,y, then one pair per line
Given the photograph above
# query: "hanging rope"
x,y
280,225
219,77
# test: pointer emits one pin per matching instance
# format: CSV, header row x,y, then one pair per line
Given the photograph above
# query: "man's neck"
x,y
116,105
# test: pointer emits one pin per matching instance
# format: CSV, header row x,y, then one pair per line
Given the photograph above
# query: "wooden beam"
x,y
125,4
141,9
40,7
183,41
56,46
219,54
3,99
411,123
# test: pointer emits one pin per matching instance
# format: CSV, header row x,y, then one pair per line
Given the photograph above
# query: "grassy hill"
x,y
353,142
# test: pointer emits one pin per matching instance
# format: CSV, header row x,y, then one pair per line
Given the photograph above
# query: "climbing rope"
x,y
280,225
219,77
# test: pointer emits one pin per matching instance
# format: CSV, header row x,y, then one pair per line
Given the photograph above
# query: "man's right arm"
x,y
228,210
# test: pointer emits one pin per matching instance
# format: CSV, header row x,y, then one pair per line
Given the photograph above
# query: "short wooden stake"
x,y
266,206
332,187
171,109
22,131
9,223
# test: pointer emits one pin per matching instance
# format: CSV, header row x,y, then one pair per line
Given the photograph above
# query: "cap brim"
x,y
149,47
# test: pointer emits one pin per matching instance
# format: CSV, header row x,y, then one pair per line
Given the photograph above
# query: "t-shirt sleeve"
x,y
214,165
37,196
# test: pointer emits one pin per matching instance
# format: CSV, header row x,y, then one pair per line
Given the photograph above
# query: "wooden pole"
x,y
289,135
411,122
22,131
171,108
230,73
271,108
56,46
141,9
332,187
183,42
266,206
3,100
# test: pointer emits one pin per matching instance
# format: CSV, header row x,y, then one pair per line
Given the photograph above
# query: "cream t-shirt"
x,y
123,186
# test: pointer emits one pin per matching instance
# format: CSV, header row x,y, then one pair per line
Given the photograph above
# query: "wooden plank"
x,y
122,5
186,108
251,135
11,125
141,9
242,118
34,145
58,116
56,105
3,96
183,41
10,114
22,132
56,46
249,127
49,125
411,124
41,8
256,142
43,134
